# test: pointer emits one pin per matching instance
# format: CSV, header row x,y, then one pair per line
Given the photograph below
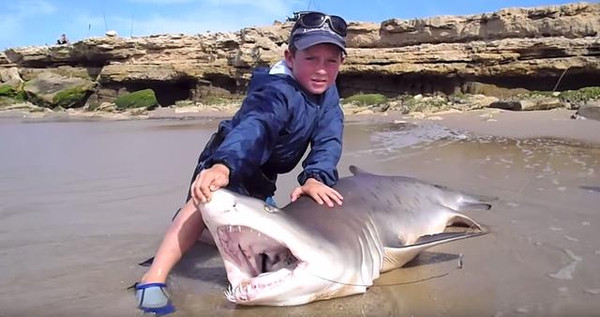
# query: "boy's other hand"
x,y
208,181
319,192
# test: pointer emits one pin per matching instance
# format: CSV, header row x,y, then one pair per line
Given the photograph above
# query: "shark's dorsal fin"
x,y
397,257
355,170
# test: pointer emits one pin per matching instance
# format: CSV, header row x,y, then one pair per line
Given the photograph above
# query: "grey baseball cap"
x,y
303,38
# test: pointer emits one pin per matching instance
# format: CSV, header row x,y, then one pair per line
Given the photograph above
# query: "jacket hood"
x,y
264,75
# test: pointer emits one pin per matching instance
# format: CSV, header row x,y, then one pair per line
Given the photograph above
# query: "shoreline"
x,y
555,123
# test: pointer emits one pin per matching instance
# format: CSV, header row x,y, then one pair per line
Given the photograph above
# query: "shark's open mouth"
x,y
255,262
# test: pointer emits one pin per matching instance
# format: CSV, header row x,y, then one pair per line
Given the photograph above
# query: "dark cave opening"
x,y
167,92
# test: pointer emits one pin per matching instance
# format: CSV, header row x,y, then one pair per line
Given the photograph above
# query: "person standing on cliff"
x,y
288,107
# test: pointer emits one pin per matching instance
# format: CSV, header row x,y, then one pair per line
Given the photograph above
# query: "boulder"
x,y
10,75
145,99
590,111
476,88
52,90
544,103
10,95
514,105
3,59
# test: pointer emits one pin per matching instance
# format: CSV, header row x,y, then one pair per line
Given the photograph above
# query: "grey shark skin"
x,y
306,252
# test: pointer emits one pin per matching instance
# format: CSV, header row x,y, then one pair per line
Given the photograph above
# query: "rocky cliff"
x,y
530,48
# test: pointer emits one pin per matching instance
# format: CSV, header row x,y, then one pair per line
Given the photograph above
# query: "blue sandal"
x,y
152,298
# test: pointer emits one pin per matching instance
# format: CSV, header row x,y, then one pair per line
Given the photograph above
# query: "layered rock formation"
x,y
512,48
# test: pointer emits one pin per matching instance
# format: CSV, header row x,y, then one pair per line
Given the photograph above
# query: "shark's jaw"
x,y
258,267
269,259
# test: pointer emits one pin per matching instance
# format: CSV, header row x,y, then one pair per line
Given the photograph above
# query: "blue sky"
x,y
39,22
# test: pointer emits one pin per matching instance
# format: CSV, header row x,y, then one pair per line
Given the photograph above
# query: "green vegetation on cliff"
x,y
365,99
580,96
7,90
69,98
139,99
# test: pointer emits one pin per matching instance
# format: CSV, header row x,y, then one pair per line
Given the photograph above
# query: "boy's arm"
x,y
249,144
326,148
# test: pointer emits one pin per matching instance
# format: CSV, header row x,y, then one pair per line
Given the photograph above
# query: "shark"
x,y
306,252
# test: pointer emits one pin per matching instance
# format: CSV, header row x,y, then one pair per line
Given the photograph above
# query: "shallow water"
x,y
82,202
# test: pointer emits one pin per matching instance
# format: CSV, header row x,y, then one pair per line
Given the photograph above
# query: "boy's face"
x,y
316,67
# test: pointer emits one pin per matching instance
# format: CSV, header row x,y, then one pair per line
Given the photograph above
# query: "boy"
x,y
293,105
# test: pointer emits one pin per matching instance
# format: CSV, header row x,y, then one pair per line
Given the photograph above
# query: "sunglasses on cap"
x,y
316,20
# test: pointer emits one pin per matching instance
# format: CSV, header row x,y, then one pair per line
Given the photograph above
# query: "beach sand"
x,y
82,202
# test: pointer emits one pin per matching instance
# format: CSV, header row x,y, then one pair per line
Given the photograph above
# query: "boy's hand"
x,y
208,181
319,192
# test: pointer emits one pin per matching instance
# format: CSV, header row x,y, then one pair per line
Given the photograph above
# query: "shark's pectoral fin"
x,y
394,258
397,257
474,206
475,202
459,220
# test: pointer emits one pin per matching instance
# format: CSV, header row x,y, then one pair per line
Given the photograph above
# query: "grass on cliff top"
x,y
365,99
69,98
139,99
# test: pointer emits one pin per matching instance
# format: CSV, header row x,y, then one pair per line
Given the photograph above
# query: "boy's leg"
x,y
181,235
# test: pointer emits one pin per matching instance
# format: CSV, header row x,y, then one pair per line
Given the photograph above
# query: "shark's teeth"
x,y
229,294
247,290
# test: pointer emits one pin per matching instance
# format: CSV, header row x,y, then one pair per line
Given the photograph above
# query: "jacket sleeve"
x,y
326,148
250,143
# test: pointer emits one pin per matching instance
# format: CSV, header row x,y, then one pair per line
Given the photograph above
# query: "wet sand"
x,y
82,202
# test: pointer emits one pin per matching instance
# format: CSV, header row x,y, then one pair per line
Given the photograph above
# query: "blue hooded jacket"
x,y
270,133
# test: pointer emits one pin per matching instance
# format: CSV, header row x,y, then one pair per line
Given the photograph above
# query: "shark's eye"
x,y
269,208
